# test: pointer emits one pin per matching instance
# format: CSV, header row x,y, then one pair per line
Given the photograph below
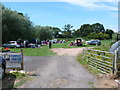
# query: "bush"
x,y
100,36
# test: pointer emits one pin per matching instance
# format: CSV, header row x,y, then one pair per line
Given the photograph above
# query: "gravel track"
x,y
56,72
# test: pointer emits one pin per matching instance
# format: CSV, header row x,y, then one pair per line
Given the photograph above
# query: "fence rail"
x,y
101,60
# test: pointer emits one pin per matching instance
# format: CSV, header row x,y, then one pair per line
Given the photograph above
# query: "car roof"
x,y
13,41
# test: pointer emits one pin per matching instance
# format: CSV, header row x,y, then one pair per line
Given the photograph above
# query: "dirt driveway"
x,y
62,71
68,51
57,72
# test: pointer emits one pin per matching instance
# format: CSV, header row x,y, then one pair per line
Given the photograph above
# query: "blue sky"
x,y
58,14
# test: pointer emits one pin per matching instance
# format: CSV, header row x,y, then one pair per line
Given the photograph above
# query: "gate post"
x,y
115,62
22,64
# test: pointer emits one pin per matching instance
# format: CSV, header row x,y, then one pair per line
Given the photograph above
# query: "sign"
x,y
15,58
1,58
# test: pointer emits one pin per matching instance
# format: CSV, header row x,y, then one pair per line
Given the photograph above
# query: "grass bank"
x,y
14,80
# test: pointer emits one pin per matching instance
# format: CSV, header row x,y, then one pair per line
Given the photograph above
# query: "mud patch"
x,y
105,81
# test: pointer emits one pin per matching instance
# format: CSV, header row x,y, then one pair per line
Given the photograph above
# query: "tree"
x,y
97,28
84,30
109,32
100,36
56,32
15,25
43,32
67,31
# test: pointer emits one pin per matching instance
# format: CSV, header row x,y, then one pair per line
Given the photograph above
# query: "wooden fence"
x,y
100,60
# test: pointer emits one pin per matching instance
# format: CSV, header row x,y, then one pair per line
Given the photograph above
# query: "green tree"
x,y
56,32
109,32
97,28
43,32
15,25
84,30
67,33
100,36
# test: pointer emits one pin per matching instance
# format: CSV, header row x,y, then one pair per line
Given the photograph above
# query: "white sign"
x,y
16,58
1,58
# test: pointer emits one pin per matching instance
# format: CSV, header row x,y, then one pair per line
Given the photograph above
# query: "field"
x,y
45,51
105,46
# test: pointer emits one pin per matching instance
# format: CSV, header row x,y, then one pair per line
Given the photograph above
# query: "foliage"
x,y
81,60
100,36
56,32
94,31
43,32
20,79
67,31
109,32
15,25
17,74
97,28
84,30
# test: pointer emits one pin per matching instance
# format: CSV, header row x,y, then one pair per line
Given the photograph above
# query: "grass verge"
x,y
84,62
15,79
44,51
105,46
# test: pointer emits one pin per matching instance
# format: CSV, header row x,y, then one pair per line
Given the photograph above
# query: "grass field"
x,y
105,46
45,51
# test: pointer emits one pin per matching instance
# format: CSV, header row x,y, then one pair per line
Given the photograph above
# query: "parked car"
x,y
54,40
94,42
2,67
11,44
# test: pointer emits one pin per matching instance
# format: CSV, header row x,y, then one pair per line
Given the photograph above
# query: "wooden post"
x,y
22,64
115,62
83,55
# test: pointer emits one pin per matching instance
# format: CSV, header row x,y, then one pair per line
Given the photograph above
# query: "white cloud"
x,y
93,4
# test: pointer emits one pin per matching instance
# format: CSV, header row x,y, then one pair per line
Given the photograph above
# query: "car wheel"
x,y
15,46
2,72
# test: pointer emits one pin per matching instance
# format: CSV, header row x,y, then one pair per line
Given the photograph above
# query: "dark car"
x,y
94,42
2,67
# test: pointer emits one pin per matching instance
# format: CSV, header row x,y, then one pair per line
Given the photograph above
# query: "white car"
x,y
11,44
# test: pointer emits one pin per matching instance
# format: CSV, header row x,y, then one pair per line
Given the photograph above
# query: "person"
x,y
24,44
50,44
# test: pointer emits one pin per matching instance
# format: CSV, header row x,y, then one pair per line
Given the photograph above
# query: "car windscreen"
x,y
12,42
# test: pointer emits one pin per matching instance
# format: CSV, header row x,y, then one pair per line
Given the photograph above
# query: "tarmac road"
x,y
56,72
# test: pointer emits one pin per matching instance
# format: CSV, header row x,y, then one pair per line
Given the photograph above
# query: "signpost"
x,y
13,60
16,58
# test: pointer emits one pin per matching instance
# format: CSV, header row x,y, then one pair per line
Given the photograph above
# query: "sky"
x,y
60,12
